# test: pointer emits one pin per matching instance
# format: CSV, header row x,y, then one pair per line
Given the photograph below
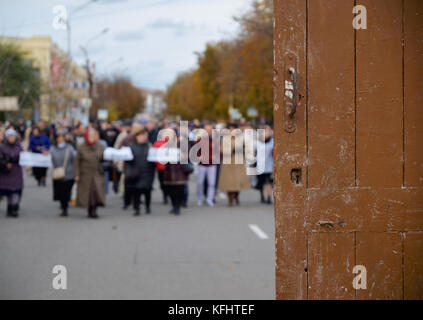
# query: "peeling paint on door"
x,y
356,139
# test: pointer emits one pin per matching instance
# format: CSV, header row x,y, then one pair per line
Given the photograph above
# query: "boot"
x,y
148,210
64,212
92,213
230,199
9,211
269,200
95,216
237,198
176,211
15,211
137,213
263,200
165,200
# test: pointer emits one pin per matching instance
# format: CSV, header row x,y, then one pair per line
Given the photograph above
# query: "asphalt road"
x,y
206,253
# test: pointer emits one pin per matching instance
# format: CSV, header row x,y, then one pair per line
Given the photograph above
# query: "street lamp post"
x,y
87,61
68,24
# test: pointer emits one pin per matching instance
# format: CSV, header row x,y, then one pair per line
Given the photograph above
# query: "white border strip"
x,y
260,233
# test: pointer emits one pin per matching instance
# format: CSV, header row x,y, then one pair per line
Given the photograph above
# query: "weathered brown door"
x,y
349,149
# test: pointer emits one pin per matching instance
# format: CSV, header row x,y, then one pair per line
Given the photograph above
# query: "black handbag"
x,y
188,168
132,174
4,160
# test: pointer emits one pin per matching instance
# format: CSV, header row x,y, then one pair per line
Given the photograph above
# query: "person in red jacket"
x,y
160,167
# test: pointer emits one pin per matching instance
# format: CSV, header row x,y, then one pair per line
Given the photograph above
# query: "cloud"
x,y
179,28
129,36
167,24
111,1
152,64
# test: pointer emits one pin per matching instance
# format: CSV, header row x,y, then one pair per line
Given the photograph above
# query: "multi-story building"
x,y
64,83
155,104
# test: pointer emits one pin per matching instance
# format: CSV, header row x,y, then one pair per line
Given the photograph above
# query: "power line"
x,y
150,5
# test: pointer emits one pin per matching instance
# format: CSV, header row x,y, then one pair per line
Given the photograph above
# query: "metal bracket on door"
x,y
290,93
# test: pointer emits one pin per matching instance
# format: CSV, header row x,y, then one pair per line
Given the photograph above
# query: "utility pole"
x,y
87,61
69,27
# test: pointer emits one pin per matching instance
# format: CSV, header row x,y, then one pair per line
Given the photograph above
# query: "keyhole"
x,y
296,176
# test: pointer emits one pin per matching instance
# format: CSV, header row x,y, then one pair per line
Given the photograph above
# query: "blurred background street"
x,y
206,253
79,76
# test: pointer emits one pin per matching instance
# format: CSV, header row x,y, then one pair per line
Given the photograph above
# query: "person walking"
x,y
89,174
233,176
175,178
265,180
135,127
62,156
160,167
39,143
11,174
139,173
118,164
207,167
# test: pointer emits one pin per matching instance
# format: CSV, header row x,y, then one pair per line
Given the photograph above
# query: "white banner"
x,y
9,104
29,159
124,154
164,155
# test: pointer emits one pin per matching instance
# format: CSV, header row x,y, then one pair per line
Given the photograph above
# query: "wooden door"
x,y
349,149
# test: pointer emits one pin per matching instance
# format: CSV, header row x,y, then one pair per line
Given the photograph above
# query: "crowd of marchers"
x,y
78,166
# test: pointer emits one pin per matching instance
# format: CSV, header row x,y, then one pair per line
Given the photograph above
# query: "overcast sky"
x,y
157,39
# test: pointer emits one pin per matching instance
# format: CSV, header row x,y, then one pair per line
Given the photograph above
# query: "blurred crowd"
x,y
80,173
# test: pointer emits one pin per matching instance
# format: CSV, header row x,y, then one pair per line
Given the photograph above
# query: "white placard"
x,y
103,114
39,160
9,104
164,155
112,154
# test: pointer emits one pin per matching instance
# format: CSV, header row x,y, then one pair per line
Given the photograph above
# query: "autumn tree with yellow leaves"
x,y
236,72
119,96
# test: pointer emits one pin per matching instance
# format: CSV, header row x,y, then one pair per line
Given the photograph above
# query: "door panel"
x,y
331,141
381,254
331,262
357,142
373,209
379,96
290,153
413,92
413,266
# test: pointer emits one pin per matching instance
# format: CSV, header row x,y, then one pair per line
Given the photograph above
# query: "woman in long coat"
x,y
63,152
233,177
89,174
11,176
139,173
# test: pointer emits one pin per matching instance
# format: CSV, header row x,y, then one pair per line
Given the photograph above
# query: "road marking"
x,y
260,233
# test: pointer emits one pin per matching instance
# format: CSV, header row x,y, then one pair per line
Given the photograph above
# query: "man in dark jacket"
x,y
39,143
139,173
